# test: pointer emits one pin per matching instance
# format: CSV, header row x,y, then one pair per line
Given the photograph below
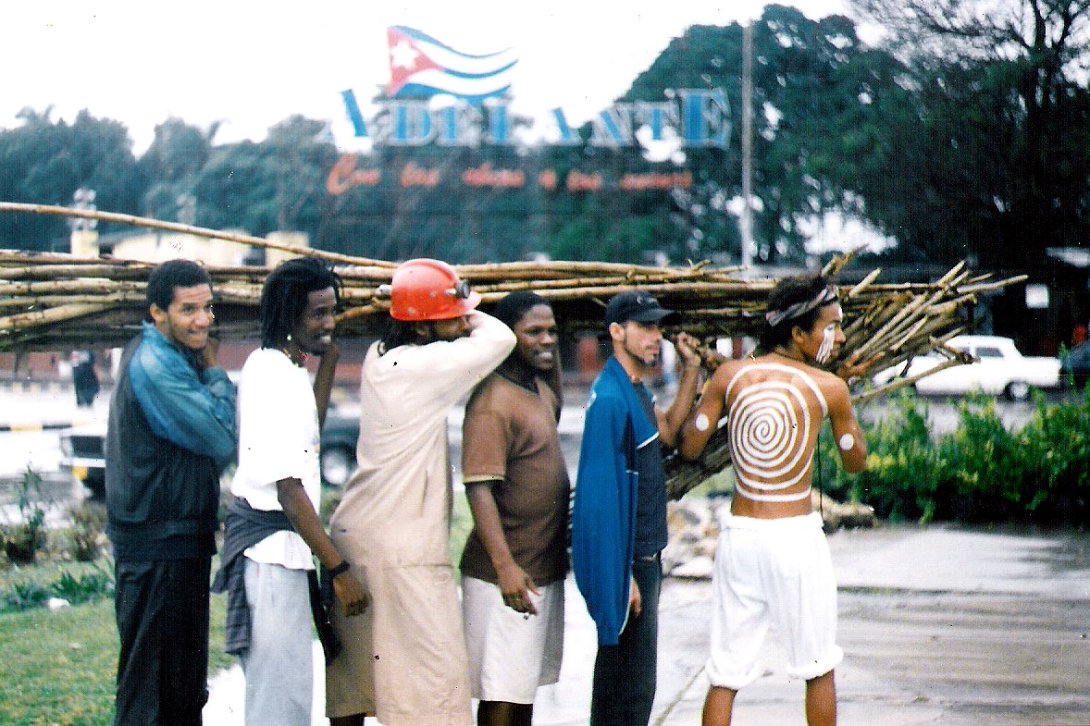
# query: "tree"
x,y
276,184
1008,72
822,138
44,162
172,165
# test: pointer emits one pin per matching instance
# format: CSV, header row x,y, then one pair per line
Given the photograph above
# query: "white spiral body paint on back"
x,y
770,429
825,350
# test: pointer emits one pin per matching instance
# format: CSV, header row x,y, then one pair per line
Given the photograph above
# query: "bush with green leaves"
x,y
1057,441
26,537
903,464
980,472
90,582
985,472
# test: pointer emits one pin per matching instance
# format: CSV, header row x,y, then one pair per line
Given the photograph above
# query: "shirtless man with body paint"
x,y
772,560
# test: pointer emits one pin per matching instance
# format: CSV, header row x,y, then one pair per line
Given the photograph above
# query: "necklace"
x,y
296,356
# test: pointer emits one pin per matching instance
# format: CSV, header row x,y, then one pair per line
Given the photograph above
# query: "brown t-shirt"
x,y
509,435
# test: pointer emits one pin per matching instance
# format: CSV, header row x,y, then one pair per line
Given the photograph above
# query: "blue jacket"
x,y
604,513
171,431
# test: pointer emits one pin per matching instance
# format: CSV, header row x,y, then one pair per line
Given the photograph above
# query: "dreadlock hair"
x,y
787,292
284,296
396,333
169,275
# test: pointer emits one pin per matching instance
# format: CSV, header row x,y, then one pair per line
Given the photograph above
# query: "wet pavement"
x,y
940,625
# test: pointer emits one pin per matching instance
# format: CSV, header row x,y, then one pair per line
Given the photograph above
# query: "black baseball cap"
x,y
639,306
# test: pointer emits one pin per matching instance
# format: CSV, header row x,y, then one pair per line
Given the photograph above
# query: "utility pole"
x,y
746,221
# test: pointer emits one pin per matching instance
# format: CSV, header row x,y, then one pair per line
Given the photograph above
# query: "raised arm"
x,y
323,380
700,425
195,412
672,419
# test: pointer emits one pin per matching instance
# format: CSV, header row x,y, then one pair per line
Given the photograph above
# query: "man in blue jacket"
x,y
619,515
170,433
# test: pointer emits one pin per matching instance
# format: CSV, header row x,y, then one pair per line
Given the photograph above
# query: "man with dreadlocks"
x,y
272,528
405,659
772,563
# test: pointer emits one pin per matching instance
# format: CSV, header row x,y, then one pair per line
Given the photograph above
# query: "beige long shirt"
x,y
405,657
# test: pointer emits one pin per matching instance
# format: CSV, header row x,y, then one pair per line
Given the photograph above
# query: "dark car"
x,y
1076,365
338,457
83,447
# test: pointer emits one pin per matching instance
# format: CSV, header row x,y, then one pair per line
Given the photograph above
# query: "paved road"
x,y
940,626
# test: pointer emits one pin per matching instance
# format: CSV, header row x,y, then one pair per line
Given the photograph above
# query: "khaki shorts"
x,y
510,655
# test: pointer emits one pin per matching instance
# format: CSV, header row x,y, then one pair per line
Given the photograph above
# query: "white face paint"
x,y
826,349
847,441
701,422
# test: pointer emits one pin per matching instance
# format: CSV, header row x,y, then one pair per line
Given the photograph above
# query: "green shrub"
x,y
83,588
25,538
986,470
903,464
980,472
1057,440
88,525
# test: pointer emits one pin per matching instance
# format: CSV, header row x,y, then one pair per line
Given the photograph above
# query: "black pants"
x,y
162,619
623,690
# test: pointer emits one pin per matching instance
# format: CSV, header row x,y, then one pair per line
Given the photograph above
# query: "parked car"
x,y
338,455
83,451
1076,365
1000,369
83,454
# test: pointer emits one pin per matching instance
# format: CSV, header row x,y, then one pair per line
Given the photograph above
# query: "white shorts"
x,y
772,572
511,655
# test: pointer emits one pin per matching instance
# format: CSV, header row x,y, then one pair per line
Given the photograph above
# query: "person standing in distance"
x,y
405,659
171,431
272,528
772,563
515,559
619,515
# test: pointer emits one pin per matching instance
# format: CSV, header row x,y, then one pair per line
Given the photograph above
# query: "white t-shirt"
x,y
278,439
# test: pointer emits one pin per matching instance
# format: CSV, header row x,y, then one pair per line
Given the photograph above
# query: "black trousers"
x,y
623,690
162,619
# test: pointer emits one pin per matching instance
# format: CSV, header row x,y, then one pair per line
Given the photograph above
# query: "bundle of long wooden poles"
x,y
56,302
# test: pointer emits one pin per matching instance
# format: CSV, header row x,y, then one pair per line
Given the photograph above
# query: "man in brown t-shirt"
x,y
515,560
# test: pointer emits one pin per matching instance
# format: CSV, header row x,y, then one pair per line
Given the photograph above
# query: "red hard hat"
x,y
425,289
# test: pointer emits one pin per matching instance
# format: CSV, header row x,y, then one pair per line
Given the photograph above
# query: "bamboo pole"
x,y
148,223
44,317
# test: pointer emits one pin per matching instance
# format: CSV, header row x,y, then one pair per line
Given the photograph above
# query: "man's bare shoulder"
x,y
830,383
729,369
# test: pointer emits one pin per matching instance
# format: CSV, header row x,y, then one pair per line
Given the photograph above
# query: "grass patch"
x,y
60,667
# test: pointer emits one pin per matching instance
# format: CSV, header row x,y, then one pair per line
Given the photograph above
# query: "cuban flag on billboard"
x,y
421,67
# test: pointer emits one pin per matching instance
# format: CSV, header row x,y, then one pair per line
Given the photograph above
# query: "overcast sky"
x,y
251,65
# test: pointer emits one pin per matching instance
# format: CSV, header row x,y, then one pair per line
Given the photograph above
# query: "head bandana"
x,y
826,296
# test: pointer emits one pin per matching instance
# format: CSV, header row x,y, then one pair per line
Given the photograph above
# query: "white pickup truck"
x,y
1001,369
